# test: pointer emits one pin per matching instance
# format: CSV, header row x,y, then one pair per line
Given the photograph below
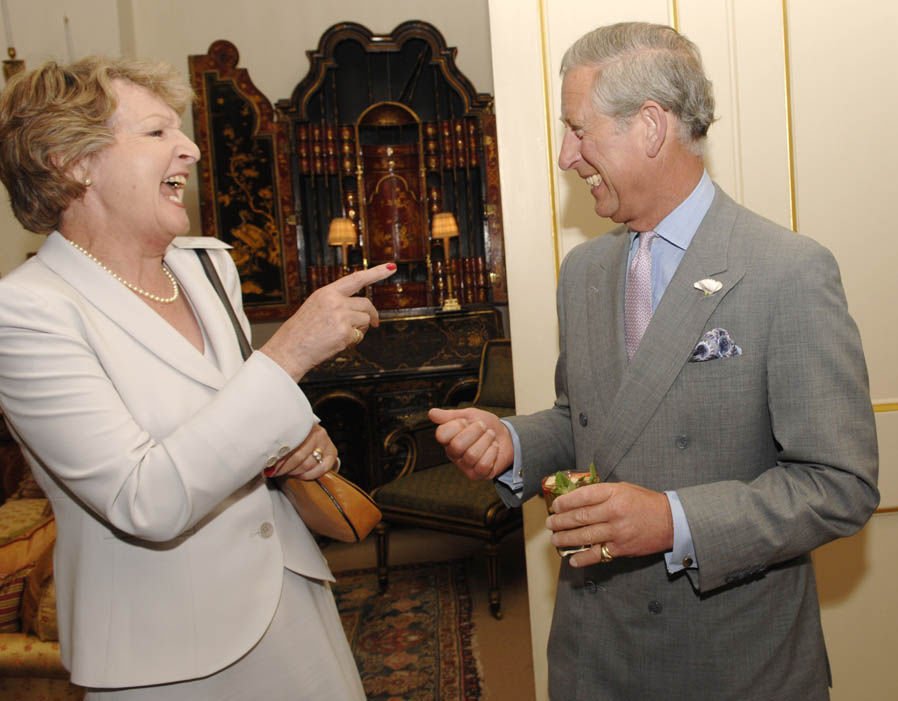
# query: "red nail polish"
x,y
268,471
391,266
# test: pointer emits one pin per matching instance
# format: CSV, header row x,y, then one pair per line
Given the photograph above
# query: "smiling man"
x,y
710,370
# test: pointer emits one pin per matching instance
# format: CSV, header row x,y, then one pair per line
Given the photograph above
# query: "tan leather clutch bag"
x,y
332,506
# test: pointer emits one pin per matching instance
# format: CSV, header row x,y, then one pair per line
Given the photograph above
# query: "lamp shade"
x,y
341,232
444,226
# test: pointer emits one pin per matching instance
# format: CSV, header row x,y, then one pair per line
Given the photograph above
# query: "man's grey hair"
x,y
637,61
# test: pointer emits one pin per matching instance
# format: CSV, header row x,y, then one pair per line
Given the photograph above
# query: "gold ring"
x,y
606,555
358,336
318,455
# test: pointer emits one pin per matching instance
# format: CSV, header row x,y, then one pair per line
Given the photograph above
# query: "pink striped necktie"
x,y
638,300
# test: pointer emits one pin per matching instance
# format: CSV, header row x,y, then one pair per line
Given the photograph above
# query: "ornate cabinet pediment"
x,y
383,134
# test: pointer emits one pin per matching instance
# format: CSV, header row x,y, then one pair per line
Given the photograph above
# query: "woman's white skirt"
x,y
303,656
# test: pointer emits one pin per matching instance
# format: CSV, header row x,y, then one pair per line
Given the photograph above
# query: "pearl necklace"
x,y
176,290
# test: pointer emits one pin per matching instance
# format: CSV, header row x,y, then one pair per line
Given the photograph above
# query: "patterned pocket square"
x,y
716,343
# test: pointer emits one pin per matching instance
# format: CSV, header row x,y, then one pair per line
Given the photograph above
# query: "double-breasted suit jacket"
x,y
772,453
171,548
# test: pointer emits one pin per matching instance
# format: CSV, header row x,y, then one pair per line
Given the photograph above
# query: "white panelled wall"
x,y
805,90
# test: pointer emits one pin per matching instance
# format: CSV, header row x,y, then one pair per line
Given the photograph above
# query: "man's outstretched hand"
x,y
475,440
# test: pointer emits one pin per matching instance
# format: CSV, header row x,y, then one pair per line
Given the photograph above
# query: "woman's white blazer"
x,y
170,548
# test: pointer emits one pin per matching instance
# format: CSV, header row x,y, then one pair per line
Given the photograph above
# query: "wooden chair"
x,y
432,493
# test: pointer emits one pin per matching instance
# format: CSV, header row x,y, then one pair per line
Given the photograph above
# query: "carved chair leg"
x,y
382,530
492,569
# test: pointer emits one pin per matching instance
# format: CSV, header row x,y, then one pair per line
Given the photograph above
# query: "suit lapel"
x,y
134,317
606,277
185,264
675,328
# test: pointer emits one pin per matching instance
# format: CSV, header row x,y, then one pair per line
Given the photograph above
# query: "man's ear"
x,y
655,121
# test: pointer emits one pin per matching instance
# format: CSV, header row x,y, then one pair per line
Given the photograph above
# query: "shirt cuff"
x,y
512,477
683,554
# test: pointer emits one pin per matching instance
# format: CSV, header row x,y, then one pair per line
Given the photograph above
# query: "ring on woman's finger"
x,y
606,554
318,455
358,336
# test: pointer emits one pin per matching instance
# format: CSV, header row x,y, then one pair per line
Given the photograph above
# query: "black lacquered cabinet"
x,y
386,133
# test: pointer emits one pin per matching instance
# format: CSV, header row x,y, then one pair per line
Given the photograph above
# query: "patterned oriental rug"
x,y
413,643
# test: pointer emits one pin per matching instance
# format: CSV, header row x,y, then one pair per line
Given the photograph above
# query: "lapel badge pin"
x,y
709,286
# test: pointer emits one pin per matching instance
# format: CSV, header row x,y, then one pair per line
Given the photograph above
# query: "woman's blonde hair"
x,y
54,116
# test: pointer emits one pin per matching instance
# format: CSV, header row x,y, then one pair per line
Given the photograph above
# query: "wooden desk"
x,y
411,362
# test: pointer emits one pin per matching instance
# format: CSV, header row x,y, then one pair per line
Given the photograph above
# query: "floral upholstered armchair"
x,y
30,666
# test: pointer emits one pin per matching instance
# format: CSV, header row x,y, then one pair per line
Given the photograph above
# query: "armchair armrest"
x,y
23,655
415,440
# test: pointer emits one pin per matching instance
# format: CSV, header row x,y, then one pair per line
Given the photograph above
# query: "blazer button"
x,y
682,442
271,462
591,586
655,607
283,451
267,530
584,419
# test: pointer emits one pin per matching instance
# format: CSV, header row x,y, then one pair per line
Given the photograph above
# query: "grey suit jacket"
x,y
772,452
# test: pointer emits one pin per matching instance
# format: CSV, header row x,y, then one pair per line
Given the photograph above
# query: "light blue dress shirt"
x,y
675,233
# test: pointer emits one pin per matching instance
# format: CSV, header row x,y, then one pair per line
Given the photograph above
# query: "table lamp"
x,y
12,65
445,228
342,233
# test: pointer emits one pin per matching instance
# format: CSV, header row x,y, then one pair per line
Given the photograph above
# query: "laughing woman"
x,y
180,573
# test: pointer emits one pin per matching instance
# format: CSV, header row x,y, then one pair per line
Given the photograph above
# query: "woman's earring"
x,y
88,182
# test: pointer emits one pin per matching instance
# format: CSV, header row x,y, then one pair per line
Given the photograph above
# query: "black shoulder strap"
x,y
211,273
